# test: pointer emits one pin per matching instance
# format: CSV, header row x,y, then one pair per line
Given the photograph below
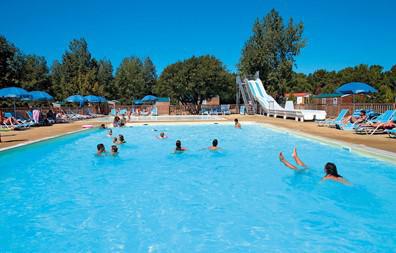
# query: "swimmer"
x,y
101,149
109,133
115,140
237,124
121,139
296,158
179,147
102,126
114,150
330,170
214,146
162,136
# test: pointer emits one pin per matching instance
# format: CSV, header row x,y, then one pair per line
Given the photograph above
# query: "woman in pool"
x,y
237,124
109,133
162,136
114,150
296,158
121,139
179,147
100,149
115,140
331,172
214,146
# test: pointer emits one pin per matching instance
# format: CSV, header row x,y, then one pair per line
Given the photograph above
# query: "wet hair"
x,y
162,134
110,131
236,120
103,126
215,142
331,169
114,148
178,145
114,139
100,147
121,138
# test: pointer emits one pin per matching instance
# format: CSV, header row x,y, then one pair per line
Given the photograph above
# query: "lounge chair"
x,y
225,109
333,122
391,133
154,111
379,121
23,125
242,110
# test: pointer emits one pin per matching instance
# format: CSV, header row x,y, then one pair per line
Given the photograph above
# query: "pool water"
x,y
58,196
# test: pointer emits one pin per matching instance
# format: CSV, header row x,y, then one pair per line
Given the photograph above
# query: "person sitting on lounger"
x,y
8,121
330,170
114,150
387,125
214,146
179,147
296,158
100,149
121,139
357,120
237,124
162,136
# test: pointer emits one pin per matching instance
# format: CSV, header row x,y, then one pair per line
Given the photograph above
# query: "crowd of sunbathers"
x,y
362,123
330,169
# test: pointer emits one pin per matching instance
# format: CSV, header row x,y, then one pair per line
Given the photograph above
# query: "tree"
x,y
271,50
193,80
105,78
149,75
129,80
10,63
35,73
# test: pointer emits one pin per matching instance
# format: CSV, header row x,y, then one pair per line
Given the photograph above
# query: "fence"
x,y
333,110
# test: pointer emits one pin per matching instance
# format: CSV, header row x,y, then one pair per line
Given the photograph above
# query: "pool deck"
x,y
380,142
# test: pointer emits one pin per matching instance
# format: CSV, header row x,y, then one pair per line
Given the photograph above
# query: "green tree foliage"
x,y
11,63
193,80
149,75
105,78
129,79
35,73
271,50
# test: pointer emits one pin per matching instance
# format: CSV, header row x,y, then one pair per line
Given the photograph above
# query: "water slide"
x,y
270,106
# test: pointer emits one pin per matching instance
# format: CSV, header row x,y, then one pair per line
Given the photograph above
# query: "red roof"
x,y
298,94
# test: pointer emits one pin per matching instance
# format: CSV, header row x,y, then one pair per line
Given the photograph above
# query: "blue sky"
x,y
339,33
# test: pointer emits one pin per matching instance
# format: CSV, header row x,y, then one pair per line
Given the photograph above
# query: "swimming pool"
x,y
57,196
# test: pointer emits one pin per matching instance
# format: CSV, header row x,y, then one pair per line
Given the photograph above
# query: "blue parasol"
x,y
41,96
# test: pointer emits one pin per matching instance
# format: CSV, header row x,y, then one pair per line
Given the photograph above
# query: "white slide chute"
x,y
270,106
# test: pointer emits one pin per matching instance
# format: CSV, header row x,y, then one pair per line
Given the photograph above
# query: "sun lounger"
x,y
225,109
242,110
335,121
391,133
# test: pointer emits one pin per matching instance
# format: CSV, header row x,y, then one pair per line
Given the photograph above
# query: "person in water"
x,y
162,136
296,158
115,140
214,146
100,149
331,172
179,147
102,126
121,139
109,133
237,124
114,150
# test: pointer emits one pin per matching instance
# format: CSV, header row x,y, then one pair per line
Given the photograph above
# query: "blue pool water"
x,y
57,196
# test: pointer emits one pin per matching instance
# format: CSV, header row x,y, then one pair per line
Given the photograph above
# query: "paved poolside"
x,y
13,138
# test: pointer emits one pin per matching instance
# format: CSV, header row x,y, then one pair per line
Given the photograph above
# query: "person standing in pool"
x,y
114,150
121,139
100,149
115,140
179,147
237,124
214,146
296,158
331,172
109,133
162,136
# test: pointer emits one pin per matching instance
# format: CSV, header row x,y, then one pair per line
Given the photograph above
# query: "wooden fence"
x,y
333,110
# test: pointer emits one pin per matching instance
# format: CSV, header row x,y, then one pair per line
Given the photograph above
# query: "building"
x,y
299,97
332,99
